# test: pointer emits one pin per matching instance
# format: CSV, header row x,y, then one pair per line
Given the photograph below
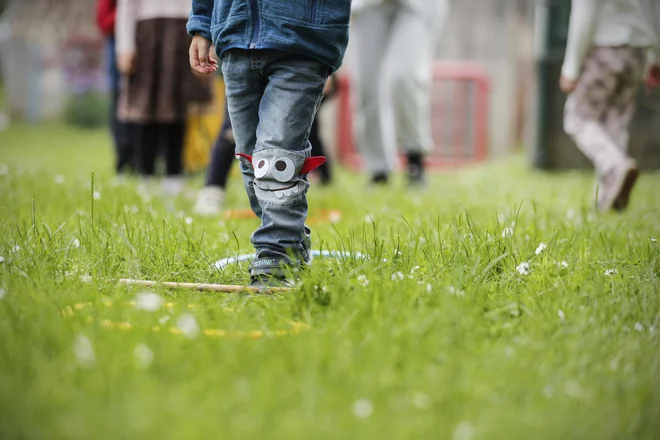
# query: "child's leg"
x,y
145,140
172,136
276,180
222,157
318,149
244,87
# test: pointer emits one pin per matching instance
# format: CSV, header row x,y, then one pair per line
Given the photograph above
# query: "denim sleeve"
x,y
200,18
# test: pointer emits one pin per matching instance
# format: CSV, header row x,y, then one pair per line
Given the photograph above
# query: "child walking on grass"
x,y
276,57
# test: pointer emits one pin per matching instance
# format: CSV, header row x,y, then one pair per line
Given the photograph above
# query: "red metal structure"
x,y
459,117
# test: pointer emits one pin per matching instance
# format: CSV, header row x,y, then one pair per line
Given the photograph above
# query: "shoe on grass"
x,y
416,175
272,269
210,200
615,186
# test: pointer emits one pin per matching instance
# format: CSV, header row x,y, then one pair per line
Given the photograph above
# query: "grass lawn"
x,y
436,335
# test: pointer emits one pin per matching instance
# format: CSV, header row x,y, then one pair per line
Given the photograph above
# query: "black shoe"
x,y
271,269
380,179
416,175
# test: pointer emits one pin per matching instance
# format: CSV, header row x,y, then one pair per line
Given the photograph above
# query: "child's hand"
x,y
201,56
126,63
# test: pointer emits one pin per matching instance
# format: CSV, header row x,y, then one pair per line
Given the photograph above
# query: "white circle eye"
x,y
283,169
261,168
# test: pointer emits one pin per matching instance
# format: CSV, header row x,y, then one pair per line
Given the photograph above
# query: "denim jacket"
x,y
315,28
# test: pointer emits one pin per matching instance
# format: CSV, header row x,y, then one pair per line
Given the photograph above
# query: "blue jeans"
x,y
272,98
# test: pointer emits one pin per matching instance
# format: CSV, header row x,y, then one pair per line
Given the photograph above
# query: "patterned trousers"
x,y
598,112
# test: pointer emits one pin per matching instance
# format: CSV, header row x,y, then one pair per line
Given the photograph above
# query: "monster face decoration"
x,y
277,173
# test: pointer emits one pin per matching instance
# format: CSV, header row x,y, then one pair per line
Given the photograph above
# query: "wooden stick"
x,y
203,287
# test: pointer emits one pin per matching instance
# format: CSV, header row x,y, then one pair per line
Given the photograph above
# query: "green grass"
x,y
447,340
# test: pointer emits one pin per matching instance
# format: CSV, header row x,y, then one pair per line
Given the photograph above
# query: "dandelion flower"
x,y
84,352
363,408
561,315
610,272
143,355
188,325
148,301
541,248
463,431
523,268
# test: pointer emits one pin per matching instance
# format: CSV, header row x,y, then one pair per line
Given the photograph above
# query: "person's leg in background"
x,y
172,136
145,138
212,196
120,130
374,121
318,149
584,120
408,71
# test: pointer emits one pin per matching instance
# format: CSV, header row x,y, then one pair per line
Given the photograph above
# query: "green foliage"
x,y
437,335
87,110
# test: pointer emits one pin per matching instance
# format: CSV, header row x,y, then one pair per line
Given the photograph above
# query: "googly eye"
x,y
261,168
283,169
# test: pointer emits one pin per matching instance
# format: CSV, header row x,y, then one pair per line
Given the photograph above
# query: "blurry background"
x,y
495,90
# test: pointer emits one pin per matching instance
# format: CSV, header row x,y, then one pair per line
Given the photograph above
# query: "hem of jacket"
x,y
334,65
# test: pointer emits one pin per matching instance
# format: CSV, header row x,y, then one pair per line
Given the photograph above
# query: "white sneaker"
x,y
210,200
172,185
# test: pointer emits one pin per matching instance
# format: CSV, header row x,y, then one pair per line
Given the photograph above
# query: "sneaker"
x,y
210,200
615,186
271,269
379,179
416,176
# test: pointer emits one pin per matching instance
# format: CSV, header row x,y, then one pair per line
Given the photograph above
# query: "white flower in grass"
x,y
368,218
652,329
75,242
2,259
561,315
189,220
610,272
541,248
363,280
2,293
4,169
562,265
639,327
421,401
59,179
429,288
148,301
162,320
523,268
398,276
143,355
653,240
15,248
570,214
86,278
363,408
97,195
188,325
84,352
507,232
527,238
464,431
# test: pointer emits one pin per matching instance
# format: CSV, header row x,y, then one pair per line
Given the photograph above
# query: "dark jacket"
x,y
315,28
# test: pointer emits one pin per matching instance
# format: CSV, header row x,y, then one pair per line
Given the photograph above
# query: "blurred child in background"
x,y
157,89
